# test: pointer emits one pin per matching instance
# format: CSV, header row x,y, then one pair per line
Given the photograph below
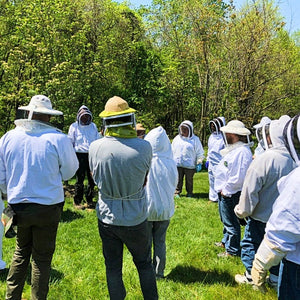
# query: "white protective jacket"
x,y
34,160
187,151
215,144
283,227
231,171
82,136
260,188
162,177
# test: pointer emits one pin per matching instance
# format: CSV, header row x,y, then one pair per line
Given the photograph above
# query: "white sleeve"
x,y
2,171
249,196
67,159
71,134
199,150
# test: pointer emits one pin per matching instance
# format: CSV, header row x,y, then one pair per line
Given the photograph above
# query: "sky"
x,y
289,9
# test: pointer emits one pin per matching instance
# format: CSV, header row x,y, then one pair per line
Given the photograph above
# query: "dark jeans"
x,y
36,234
253,236
189,175
289,281
84,169
136,238
232,228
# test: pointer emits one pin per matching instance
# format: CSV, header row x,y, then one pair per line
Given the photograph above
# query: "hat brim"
x,y
105,114
234,130
39,110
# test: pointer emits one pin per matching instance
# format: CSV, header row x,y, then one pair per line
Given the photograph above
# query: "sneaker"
x,y
219,244
176,196
272,283
225,254
243,279
189,195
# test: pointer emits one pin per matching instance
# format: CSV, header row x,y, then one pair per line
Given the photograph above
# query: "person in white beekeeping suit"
x,y
281,242
260,136
259,193
35,157
230,175
188,154
82,133
160,188
215,144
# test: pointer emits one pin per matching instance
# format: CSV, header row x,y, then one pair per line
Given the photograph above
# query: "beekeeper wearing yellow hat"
x,y
119,163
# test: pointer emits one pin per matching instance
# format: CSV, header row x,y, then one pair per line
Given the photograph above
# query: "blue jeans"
x,y
253,236
289,281
158,232
136,238
232,229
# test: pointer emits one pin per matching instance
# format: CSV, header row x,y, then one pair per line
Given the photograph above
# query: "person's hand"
x,y
258,273
206,164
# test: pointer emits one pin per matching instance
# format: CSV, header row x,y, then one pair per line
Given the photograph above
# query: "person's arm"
x,y
67,160
282,232
267,256
71,134
249,196
2,171
199,151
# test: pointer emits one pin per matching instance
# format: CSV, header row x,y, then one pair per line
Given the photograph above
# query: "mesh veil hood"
x,y
189,125
83,110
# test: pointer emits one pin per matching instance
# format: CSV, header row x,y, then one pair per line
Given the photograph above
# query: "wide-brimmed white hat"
x,y
235,127
42,105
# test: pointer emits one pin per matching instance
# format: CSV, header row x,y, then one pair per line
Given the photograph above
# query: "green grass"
x,y
193,269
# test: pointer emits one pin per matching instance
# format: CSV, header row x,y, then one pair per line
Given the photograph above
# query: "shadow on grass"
x,y
3,275
69,215
201,195
55,276
189,274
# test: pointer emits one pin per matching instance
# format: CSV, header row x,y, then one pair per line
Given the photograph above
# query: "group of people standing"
x,y
260,193
137,176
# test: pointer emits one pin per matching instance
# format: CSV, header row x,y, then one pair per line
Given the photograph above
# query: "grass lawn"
x,y
193,269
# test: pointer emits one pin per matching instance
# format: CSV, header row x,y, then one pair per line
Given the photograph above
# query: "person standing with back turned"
x,y
119,163
34,160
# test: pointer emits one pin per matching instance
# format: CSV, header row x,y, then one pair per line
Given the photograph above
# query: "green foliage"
x,y
173,60
193,269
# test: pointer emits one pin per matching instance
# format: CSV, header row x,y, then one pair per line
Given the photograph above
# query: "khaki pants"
x,y
37,227
189,174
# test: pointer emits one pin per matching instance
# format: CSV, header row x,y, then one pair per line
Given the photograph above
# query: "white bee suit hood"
x,y
162,177
276,131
